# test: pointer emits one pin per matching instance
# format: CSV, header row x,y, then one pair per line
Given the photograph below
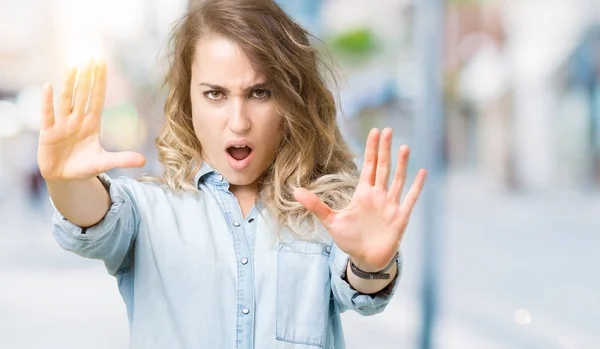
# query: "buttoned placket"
x,y
243,234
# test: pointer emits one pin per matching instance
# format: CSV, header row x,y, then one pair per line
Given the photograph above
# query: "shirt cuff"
x,y
117,197
349,298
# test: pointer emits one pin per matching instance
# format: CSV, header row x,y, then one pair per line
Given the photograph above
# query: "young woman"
x,y
261,231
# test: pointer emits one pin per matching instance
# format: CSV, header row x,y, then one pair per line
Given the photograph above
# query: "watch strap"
x,y
380,275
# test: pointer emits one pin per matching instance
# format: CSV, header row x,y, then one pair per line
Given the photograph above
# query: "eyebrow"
x,y
261,85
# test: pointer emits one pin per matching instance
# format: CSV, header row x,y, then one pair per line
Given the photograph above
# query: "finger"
x,y
47,107
66,95
314,205
125,159
383,160
413,194
370,159
82,90
98,89
400,174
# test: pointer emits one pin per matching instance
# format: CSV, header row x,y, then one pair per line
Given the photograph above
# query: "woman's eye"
x,y
214,95
260,94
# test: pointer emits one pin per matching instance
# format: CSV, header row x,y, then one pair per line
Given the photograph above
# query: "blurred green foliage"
x,y
358,43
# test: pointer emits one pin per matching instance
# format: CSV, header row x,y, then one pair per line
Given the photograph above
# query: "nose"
x,y
239,121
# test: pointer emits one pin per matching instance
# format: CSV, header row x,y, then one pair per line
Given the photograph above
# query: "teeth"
x,y
239,146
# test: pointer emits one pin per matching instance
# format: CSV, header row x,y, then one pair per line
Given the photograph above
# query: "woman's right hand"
x,y
69,143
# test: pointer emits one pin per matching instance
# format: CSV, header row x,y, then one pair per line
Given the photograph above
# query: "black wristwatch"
x,y
380,275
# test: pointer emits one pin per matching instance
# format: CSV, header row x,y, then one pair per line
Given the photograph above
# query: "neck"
x,y
246,196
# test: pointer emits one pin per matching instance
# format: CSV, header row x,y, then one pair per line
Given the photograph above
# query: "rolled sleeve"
x,y
111,239
349,298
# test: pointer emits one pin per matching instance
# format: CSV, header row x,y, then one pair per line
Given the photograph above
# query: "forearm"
x,y
369,286
83,203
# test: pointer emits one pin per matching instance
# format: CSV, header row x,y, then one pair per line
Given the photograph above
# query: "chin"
x,y
239,179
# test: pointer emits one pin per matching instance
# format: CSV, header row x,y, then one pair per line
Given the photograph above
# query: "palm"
x,y
69,143
68,157
371,227
368,227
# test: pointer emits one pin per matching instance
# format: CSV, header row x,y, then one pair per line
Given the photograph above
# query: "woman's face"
x,y
233,112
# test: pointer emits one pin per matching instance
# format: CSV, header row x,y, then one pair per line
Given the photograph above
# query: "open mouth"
x,y
239,152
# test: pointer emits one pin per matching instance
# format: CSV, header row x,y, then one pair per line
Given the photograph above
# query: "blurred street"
x,y
493,265
499,100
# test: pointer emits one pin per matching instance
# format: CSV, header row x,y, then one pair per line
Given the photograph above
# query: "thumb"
x,y
124,159
313,204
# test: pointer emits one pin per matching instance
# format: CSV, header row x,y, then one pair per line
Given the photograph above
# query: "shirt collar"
x,y
207,172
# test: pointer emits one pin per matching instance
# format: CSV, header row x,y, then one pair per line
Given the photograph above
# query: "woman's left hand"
x,y
371,227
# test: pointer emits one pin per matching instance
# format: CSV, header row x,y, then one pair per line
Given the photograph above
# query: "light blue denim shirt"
x,y
194,273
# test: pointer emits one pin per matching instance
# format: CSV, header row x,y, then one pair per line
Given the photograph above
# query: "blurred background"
x,y
499,100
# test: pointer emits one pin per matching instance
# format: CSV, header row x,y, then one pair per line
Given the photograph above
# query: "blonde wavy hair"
x,y
312,153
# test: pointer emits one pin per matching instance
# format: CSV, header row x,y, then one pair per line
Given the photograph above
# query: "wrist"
x,y
373,268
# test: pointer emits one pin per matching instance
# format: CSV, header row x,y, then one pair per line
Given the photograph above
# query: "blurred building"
x,y
505,104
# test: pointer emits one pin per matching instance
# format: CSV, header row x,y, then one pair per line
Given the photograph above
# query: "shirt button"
x,y
250,220
236,224
220,178
328,249
246,311
244,261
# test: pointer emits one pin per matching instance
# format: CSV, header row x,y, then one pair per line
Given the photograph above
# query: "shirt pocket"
x,y
303,293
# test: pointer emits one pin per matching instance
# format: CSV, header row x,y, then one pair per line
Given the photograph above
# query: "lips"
x,y
239,143
239,152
